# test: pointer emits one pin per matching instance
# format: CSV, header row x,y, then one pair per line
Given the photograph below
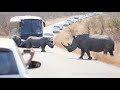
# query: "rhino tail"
x,y
113,47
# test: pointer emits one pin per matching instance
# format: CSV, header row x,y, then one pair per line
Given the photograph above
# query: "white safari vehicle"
x,y
11,62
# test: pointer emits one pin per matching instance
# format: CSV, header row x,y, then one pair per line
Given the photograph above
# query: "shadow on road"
x,y
43,52
79,59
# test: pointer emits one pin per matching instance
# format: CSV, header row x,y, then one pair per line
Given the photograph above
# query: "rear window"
x,y
7,63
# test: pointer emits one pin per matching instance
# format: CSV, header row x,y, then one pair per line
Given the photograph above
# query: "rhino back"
x,y
37,41
95,43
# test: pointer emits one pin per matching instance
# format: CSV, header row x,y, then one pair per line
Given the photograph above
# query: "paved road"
x,y
58,63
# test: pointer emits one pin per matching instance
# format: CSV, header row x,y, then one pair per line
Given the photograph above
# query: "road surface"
x,y
58,63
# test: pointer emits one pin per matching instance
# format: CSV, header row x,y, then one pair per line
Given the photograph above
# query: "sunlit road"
x,y
57,63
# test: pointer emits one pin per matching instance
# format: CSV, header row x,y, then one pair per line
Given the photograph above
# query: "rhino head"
x,y
17,40
68,47
71,47
51,45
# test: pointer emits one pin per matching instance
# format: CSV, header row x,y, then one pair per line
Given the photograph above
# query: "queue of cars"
x,y
57,28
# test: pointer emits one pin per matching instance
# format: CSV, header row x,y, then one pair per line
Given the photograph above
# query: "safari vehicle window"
x,y
7,63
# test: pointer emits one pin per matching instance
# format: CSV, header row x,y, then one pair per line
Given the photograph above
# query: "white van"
x,y
26,26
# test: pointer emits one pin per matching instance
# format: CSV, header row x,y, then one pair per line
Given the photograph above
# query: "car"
x,y
74,20
56,29
83,17
49,35
100,13
86,16
61,26
90,14
66,23
12,64
69,21
76,17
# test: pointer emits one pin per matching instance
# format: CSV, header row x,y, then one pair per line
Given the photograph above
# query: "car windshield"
x,y
31,26
56,26
8,64
49,34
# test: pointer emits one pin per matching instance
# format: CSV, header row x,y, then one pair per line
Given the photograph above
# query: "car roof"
x,y
19,18
7,43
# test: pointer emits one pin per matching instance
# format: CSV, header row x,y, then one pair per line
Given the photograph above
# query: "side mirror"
x,y
44,24
34,64
21,23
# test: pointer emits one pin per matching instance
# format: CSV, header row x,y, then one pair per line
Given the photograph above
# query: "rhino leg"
x,y
43,48
88,53
105,52
111,53
28,44
82,54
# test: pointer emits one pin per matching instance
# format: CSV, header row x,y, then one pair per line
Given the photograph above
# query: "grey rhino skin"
x,y
87,43
19,42
33,42
36,42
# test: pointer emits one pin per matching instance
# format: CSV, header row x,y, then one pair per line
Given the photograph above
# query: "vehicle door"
x,y
8,66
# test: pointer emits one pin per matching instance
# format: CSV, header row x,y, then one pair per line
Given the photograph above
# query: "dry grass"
x,y
79,28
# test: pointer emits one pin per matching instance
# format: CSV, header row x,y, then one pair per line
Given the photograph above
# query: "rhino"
x,y
87,43
33,42
36,42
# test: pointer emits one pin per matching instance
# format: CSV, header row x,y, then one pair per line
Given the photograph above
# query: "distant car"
x,y
60,26
66,23
69,21
100,13
90,15
12,64
76,17
75,20
86,16
56,29
83,16
49,35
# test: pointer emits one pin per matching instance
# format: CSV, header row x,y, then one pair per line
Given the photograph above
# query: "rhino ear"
x,y
74,37
68,44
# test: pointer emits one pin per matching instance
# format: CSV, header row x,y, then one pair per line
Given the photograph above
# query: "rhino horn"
x,y
54,44
64,45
